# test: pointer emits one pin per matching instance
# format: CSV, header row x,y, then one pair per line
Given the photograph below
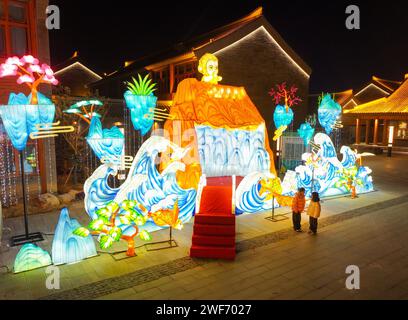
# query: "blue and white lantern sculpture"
x,y
282,116
105,142
20,118
328,113
306,132
141,107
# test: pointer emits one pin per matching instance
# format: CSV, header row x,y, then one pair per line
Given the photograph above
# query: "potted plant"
x,y
141,102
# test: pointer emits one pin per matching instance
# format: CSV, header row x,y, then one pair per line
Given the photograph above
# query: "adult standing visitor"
x,y
298,205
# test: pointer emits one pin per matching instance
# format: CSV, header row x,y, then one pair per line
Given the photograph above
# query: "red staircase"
x,y
214,225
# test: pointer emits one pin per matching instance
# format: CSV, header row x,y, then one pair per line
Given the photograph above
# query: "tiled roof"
x,y
190,46
397,102
387,84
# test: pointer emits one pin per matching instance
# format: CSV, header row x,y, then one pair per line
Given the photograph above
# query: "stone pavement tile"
x,y
317,294
119,295
321,281
200,284
344,294
336,284
242,294
309,268
153,284
147,294
292,294
169,294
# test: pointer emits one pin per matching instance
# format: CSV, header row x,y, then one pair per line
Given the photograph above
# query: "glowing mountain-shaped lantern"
x,y
328,112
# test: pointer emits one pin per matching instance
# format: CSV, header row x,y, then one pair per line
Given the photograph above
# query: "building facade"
x,y
251,53
374,121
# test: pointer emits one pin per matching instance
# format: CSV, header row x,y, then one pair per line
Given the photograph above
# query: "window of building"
x,y
162,79
184,71
402,132
14,28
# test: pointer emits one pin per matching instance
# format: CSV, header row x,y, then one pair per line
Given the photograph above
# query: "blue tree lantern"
x,y
282,116
306,132
328,113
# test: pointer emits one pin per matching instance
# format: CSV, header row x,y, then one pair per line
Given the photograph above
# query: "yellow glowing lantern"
x,y
208,67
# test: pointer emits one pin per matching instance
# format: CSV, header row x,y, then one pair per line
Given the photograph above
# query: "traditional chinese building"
x,y
385,106
251,54
23,31
74,76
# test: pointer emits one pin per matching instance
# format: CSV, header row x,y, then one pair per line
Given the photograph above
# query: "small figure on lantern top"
x,y
208,67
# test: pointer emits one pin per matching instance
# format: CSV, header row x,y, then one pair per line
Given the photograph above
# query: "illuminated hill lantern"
x,y
25,117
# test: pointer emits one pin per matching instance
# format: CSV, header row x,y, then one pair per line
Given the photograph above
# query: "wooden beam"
x,y
375,140
385,133
367,133
171,78
358,131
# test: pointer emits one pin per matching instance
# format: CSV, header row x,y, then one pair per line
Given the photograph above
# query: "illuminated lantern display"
x,y
236,150
141,103
167,217
105,142
306,132
328,113
208,67
67,247
220,125
114,222
328,175
145,185
350,179
31,257
85,110
24,116
283,114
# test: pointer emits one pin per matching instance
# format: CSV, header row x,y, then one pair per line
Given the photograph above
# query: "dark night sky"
x,y
107,35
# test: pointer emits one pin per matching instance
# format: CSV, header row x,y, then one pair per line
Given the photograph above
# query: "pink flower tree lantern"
x,y
22,116
29,72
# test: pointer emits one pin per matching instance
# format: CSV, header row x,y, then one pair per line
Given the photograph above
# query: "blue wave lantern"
x,y
328,112
144,184
140,107
67,247
20,118
105,142
306,132
31,257
327,170
282,117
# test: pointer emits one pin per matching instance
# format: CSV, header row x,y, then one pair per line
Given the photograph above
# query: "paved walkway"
x,y
302,267
268,253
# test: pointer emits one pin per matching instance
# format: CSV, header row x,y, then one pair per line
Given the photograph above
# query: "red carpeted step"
x,y
214,230
213,252
215,218
216,241
216,199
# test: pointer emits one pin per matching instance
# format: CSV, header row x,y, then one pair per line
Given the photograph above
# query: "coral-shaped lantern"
x,y
283,115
